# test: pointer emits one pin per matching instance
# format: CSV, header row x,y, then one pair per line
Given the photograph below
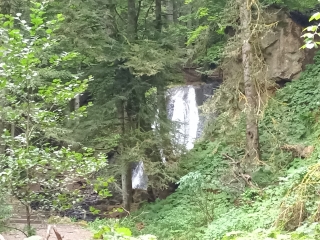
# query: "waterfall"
x,y
182,108
139,177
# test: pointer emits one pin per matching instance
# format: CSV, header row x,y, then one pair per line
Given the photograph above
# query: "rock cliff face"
x,y
281,47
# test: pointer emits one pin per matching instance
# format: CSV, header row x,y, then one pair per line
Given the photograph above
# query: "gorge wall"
x,y
280,53
281,47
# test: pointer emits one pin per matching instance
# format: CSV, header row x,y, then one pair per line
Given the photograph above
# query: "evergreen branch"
x,y
116,11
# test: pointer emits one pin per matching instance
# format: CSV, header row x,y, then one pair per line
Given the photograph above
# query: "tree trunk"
x,y
158,15
77,102
252,136
2,121
175,11
13,133
111,30
28,213
170,11
5,7
132,21
127,186
2,143
126,175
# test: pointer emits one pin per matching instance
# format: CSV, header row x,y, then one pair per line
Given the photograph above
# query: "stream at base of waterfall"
x,y
182,108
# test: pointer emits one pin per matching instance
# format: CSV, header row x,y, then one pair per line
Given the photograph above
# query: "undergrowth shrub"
x,y
113,229
5,210
172,218
301,202
291,115
258,208
252,214
305,232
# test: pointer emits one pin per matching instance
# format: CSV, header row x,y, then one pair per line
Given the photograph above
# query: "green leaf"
x,y
312,28
124,231
196,33
315,16
97,235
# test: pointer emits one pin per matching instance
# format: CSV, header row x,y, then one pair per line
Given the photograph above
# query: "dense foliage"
x,y
207,204
82,80
33,169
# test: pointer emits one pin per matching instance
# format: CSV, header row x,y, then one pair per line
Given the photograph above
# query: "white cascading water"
x,y
182,103
182,109
139,178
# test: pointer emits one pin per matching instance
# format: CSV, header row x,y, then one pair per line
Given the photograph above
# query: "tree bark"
x,y
175,11
2,121
28,213
170,8
111,11
158,15
127,186
252,134
2,143
5,7
126,175
132,21
77,102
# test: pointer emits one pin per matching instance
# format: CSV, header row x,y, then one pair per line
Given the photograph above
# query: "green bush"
x,y
305,232
113,229
5,211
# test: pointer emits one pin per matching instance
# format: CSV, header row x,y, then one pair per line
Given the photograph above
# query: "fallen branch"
x,y
57,234
233,160
126,210
5,226
237,172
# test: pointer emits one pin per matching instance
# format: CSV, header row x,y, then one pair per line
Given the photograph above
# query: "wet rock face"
x,y
281,47
205,91
81,211
161,193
